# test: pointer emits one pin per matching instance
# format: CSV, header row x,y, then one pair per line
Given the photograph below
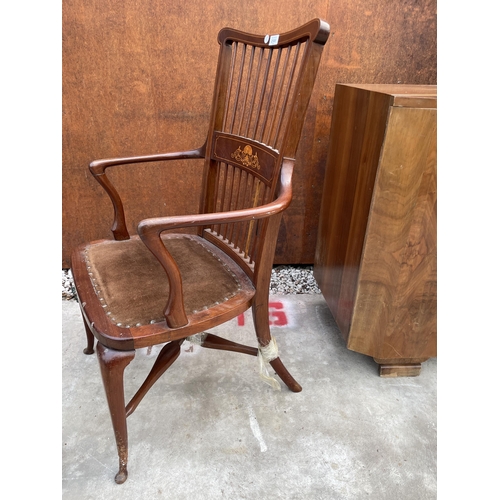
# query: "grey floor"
x,y
211,429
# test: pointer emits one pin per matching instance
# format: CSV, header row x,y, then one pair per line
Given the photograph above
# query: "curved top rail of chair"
x,y
317,30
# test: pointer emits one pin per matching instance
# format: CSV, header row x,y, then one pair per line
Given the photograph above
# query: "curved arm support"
x,y
98,167
119,227
150,232
174,312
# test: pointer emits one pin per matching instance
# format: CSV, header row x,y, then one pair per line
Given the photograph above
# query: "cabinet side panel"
x,y
396,300
358,125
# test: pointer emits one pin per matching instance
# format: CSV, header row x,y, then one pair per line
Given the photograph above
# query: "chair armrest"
x,y
98,168
150,231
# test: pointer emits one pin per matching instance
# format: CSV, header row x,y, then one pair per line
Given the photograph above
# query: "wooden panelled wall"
x,y
138,79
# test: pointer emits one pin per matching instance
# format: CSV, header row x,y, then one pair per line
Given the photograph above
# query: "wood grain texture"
x,y
376,252
397,284
357,135
137,80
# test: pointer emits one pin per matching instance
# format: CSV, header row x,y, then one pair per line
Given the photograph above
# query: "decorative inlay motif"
x,y
246,157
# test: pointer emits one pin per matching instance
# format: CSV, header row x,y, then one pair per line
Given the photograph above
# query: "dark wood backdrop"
x,y
138,76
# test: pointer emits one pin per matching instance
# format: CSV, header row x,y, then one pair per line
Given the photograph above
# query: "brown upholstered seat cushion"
x,y
133,287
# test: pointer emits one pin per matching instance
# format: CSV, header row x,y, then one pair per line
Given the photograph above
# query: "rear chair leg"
x,y
261,322
90,339
169,353
113,364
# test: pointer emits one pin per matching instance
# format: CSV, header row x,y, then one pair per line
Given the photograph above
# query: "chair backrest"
x,y
262,90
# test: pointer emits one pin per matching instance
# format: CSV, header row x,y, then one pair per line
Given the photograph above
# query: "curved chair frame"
x,y
262,90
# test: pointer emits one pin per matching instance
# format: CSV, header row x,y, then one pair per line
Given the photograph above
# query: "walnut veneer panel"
x,y
376,252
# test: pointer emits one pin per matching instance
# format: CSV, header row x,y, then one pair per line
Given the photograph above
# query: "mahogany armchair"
x,y
163,287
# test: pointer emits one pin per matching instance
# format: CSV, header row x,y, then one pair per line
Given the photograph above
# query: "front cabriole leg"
x,y
113,364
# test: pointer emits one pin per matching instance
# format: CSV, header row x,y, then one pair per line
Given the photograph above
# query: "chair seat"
x,y
125,289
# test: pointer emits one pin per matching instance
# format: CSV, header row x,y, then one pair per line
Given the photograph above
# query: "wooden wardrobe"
x,y
375,259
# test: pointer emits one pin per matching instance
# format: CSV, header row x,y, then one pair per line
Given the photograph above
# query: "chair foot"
x,y
284,375
122,475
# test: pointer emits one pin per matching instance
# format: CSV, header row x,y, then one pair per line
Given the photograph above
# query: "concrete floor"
x,y
211,429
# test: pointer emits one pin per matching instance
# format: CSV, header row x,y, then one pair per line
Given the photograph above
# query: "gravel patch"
x,y
292,280
285,280
68,288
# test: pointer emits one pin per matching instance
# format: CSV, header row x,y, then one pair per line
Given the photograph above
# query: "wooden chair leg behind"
x,y
113,364
90,339
284,375
261,322
169,353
